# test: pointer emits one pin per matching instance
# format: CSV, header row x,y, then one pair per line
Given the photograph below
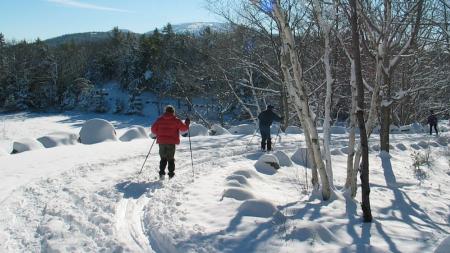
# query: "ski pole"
x,y
276,137
190,148
254,133
146,158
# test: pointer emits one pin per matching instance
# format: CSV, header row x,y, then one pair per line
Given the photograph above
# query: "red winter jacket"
x,y
167,129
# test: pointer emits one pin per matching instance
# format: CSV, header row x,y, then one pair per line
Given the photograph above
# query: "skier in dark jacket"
x,y
432,121
265,121
167,130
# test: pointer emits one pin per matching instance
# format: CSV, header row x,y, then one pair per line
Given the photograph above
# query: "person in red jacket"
x,y
167,130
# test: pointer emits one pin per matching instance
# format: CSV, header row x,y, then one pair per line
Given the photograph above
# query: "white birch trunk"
x,y
302,98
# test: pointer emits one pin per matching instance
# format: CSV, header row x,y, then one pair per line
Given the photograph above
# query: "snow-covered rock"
x,y
243,129
26,144
198,130
267,164
336,152
58,139
417,127
401,146
293,130
96,131
423,144
301,156
218,130
283,158
393,129
257,208
338,130
134,133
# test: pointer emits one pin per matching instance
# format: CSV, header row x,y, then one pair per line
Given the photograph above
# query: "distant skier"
x,y
167,130
432,121
265,121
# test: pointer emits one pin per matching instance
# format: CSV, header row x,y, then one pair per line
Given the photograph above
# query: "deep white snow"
x,y
88,198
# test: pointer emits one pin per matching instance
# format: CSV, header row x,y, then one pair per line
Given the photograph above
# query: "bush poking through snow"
x,y
26,145
58,139
257,208
96,131
218,130
419,161
134,133
267,164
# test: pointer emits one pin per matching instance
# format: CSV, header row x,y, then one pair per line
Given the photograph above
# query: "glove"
x,y
187,121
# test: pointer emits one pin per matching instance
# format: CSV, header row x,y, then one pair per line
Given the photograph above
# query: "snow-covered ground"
x,y
87,198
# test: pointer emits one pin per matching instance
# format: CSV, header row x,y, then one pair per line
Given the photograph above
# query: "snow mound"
x,y
237,193
443,246
58,139
433,144
293,130
401,146
393,129
96,131
306,231
26,145
243,129
338,130
417,127
376,147
345,150
246,173
283,158
442,141
3,152
238,178
302,157
198,130
423,144
218,130
267,164
134,133
257,208
336,152
415,146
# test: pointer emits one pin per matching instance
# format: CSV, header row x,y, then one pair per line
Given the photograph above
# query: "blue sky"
x,y
30,19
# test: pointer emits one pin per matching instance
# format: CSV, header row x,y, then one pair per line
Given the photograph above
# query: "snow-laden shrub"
x,y
267,164
26,145
257,208
96,131
58,139
293,130
134,133
302,157
283,158
338,130
243,129
218,130
198,130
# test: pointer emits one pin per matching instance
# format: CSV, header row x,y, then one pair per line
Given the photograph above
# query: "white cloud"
x,y
78,4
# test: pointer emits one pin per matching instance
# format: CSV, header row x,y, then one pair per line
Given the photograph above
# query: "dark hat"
x,y
169,109
270,107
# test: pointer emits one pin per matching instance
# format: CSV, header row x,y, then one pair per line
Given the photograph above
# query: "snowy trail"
x,y
93,203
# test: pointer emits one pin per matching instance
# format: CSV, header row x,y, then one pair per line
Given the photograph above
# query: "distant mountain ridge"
x,y
191,28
